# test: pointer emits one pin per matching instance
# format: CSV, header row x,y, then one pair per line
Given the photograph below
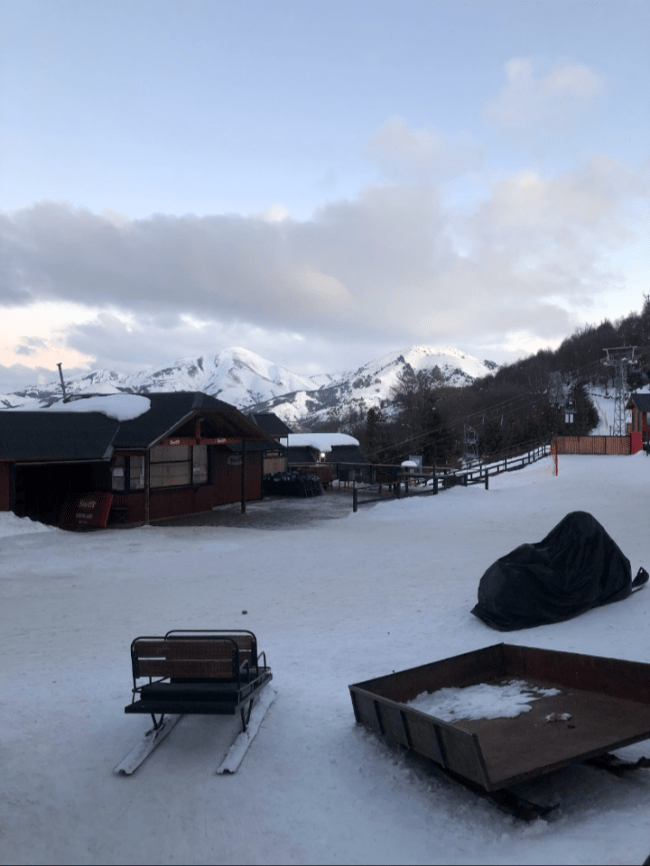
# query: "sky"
x,y
320,183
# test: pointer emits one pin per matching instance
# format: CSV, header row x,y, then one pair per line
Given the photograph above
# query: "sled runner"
x,y
190,672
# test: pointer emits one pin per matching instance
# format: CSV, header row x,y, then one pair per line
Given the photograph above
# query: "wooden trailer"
x,y
581,707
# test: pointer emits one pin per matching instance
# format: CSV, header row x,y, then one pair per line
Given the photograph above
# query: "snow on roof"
x,y
320,441
410,464
122,407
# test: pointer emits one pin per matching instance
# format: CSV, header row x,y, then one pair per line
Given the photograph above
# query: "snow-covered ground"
x,y
387,588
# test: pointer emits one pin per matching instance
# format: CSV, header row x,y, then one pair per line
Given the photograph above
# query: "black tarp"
x,y
576,567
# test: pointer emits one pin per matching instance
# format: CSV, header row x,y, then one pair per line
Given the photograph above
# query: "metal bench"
x,y
204,672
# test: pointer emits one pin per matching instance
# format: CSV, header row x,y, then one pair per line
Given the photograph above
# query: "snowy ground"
x,y
387,588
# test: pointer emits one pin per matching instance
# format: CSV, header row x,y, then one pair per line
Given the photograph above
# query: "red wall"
x,y
174,503
224,489
636,441
226,486
5,486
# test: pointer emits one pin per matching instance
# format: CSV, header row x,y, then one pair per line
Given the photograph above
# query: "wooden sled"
x,y
191,672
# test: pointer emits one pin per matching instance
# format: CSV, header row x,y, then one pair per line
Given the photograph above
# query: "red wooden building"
x,y
639,405
187,453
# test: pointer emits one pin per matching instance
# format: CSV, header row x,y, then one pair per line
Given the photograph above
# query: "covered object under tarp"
x,y
576,567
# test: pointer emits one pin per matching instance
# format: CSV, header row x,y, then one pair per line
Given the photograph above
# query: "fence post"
x,y
487,480
435,485
399,489
355,500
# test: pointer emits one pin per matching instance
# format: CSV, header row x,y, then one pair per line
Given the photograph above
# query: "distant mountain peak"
x,y
244,379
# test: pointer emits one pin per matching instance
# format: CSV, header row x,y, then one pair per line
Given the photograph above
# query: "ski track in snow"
x,y
388,588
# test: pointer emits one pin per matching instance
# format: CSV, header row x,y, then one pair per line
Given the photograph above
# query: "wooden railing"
x,y
432,482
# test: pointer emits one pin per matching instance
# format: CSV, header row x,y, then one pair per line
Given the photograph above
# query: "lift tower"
x,y
619,359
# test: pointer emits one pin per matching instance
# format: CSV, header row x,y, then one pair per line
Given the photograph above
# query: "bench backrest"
x,y
193,655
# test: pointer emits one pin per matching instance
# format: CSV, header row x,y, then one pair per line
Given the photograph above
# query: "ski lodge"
x,y
129,458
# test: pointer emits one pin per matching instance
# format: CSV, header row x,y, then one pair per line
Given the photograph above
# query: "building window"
x,y
199,464
118,470
127,472
178,465
136,472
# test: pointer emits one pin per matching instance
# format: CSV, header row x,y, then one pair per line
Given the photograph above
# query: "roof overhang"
x,y
53,462
244,428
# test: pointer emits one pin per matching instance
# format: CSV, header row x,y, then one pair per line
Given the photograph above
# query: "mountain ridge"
x,y
255,384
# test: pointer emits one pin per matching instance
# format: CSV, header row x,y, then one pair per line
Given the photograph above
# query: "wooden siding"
x,y
5,486
593,445
177,502
639,423
226,484
275,464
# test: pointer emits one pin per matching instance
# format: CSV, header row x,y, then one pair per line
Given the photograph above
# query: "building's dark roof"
x,y
51,435
271,424
267,445
346,454
640,401
338,454
48,435
301,454
167,412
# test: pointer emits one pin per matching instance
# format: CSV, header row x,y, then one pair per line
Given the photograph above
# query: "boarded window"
x,y
178,465
136,473
170,474
199,464
117,473
170,453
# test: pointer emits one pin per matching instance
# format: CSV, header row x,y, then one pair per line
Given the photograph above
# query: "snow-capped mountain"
x,y
248,381
370,385
234,375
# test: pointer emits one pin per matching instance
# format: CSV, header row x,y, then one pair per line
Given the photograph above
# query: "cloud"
x,y
16,377
30,346
535,102
563,225
422,155
393,266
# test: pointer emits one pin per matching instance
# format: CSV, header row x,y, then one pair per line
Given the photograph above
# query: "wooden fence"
x,y
432,482
594,444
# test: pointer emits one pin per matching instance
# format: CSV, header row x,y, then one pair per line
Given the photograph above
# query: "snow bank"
x,y
12,525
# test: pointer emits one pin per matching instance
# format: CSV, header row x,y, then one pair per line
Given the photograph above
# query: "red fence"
x,y
593,445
